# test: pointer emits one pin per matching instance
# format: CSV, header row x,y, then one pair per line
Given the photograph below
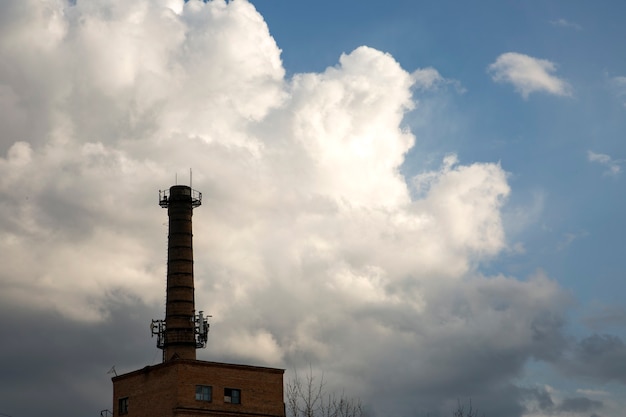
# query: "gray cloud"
x,y
66,362
579,404
601,357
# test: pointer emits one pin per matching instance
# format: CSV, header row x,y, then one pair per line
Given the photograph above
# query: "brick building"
x,y
188,388
182,386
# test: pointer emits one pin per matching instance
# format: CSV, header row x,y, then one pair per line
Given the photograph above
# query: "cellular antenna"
x,y
182,331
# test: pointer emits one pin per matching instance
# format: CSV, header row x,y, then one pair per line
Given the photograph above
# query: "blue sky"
x,y
423,199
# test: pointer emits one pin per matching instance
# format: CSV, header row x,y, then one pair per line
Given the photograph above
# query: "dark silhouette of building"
x,y
182,386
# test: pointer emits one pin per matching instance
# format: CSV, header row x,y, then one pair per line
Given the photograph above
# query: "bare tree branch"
x,y
308,397
460,411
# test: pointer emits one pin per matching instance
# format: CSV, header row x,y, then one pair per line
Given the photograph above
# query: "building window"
x,y
122,405
203,392
232,395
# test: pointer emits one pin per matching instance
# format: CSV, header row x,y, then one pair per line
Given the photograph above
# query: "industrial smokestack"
x,y
182,331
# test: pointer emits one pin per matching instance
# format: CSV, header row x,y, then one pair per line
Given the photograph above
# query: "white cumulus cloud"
x,y
618,87
613,167
528,74
564,23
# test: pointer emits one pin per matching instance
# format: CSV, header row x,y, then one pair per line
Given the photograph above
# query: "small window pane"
x,y
232,396
235,396
203,393
122,405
